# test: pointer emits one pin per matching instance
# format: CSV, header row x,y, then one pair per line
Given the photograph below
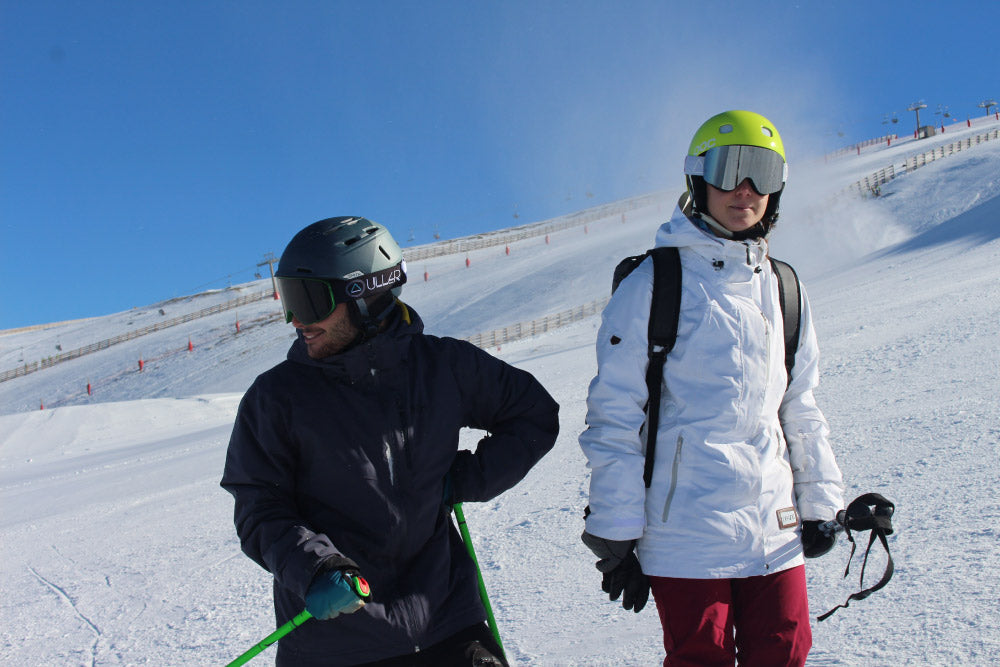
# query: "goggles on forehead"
x,y
725,167
310,300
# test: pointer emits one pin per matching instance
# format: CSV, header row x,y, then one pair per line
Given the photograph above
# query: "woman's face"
x,y
739,209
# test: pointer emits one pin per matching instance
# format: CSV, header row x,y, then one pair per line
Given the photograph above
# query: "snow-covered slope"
x,y
117,545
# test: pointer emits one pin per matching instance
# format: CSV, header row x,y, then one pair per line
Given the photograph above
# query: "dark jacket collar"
x,y
385,350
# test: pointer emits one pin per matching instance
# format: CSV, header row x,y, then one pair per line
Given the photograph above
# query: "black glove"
x,y
815,542
611,552
623,576
628,581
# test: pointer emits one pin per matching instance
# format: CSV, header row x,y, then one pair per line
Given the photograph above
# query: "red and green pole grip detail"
x,y
361,588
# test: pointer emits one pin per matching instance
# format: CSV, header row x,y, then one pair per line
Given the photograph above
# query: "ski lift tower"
x,y
917,106
986,104
270,260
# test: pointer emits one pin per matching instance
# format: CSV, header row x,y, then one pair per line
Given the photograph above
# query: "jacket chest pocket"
x,y
709,355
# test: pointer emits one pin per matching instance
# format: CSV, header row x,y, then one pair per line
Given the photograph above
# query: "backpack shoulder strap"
x,y
665,310
664,313
789,298
625,267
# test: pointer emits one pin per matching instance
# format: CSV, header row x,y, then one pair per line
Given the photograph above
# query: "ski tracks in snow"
x,y
66,598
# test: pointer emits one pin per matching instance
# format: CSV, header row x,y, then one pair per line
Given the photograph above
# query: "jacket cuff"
x,y
309,555
615,530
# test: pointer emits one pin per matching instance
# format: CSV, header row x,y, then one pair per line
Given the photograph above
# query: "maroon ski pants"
x,y
762,621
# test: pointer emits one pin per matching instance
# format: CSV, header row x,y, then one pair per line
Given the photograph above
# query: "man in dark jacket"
x,y
344,461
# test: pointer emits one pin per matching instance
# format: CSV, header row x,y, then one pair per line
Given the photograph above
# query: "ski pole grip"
x,y
360,586
834,526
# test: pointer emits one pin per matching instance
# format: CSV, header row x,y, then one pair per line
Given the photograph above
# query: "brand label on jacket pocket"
x,y
787,518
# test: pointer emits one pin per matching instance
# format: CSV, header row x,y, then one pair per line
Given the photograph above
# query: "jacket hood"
x,y
383,351
681,231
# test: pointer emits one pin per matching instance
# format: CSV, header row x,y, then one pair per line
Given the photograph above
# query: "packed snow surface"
x,y
117,545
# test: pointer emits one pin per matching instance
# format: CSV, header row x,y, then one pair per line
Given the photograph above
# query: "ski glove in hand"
x,y
815,542
333,591
623,576
611,552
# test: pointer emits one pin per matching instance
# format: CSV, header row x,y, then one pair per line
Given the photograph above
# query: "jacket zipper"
x,y
767,379
767,349
768,332
673,477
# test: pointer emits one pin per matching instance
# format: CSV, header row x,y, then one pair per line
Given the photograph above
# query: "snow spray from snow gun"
x,y
360,588
483,595
871,512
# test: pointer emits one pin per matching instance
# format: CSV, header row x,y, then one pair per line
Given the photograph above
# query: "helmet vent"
x,y
725,129
767,132
383,251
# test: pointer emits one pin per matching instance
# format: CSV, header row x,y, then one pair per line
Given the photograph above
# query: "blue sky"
x,y
155,149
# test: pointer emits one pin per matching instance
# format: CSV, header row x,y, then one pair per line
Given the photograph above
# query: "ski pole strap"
x,y
871,512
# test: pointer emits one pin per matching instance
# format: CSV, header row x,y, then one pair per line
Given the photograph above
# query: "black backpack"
x,y
665,312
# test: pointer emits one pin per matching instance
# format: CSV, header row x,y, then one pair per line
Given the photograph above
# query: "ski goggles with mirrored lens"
x,y
308,300
726,167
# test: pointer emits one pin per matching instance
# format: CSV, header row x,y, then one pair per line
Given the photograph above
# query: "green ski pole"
x,y
272,638
483,595
360,588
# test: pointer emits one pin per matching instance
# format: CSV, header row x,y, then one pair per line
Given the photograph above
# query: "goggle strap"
x,y
694,165
369,284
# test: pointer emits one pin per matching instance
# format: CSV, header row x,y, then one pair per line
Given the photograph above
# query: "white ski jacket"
x,y
740,459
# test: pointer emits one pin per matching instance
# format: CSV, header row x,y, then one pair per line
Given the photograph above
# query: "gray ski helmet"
x,y
359,257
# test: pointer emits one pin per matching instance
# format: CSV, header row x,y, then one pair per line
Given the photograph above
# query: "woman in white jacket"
x,y
743,472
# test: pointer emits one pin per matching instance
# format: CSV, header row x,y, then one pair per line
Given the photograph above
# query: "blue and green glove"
x,y
338,588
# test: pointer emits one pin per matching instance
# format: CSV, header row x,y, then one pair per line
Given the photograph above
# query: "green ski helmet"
x,y
727,149
341,260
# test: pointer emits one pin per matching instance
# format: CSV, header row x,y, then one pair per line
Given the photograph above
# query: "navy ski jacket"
x,y
348,456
